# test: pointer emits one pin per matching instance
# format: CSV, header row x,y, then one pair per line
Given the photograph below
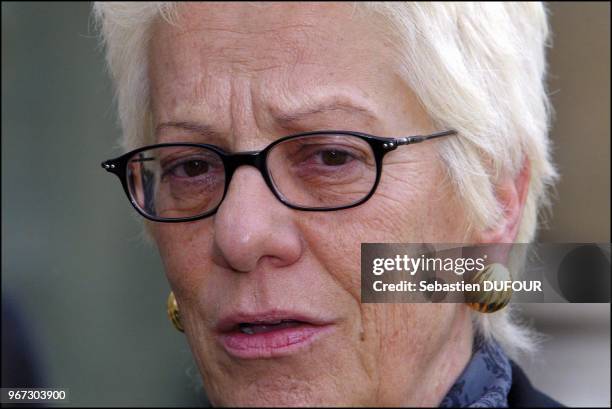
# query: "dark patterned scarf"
x,y
485,381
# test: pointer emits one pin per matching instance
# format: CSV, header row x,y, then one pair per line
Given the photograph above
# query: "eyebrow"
x,y
289,119
286,119
206,131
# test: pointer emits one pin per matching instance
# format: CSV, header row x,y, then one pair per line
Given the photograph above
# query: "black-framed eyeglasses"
x,y
313,171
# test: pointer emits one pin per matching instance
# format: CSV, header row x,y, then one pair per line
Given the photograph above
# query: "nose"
x,y
252,226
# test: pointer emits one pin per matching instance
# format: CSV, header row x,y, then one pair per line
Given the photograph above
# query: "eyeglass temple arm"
x,y
420,138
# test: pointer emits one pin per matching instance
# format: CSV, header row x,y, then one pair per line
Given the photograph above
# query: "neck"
x,y
448,364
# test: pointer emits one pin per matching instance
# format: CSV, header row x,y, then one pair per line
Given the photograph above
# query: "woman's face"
x,y
240,76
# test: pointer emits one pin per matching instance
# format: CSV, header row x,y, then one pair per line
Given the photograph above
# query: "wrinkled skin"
x,y
245,70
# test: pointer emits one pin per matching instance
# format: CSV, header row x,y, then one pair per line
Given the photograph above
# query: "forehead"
x,y
225,58
255,36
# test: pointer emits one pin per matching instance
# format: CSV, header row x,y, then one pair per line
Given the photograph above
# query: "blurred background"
x,y
88,293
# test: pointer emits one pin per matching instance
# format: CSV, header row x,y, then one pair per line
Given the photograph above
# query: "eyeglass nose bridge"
x,y
233,161
257,159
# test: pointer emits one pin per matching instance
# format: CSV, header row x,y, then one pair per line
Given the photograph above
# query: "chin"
x,y
280,392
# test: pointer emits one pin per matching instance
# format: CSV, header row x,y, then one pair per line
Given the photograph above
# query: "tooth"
x,y
247,330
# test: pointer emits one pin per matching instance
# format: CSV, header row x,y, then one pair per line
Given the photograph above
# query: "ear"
x,y
511,194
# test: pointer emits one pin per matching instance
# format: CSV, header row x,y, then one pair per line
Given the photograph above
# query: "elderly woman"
x,y
267,141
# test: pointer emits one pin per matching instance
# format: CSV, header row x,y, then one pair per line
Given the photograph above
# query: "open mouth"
x,y
262,328
268,335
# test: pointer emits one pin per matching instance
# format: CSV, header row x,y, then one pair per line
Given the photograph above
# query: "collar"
x,y
485,381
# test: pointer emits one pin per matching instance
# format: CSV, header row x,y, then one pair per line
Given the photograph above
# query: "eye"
x,y
334,157
191,168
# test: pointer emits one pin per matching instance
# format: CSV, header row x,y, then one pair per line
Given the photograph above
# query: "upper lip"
x,y
231,321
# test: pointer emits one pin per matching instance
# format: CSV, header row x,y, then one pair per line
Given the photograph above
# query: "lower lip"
x,y
272,344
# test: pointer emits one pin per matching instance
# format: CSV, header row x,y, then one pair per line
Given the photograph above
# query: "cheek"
x,y
417,202
410,334
414,329
420,207
185,250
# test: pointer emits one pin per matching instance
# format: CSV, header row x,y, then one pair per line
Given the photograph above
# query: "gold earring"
x,y
173,312
490,301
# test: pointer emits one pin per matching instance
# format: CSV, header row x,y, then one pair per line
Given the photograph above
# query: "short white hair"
x,y
478,68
